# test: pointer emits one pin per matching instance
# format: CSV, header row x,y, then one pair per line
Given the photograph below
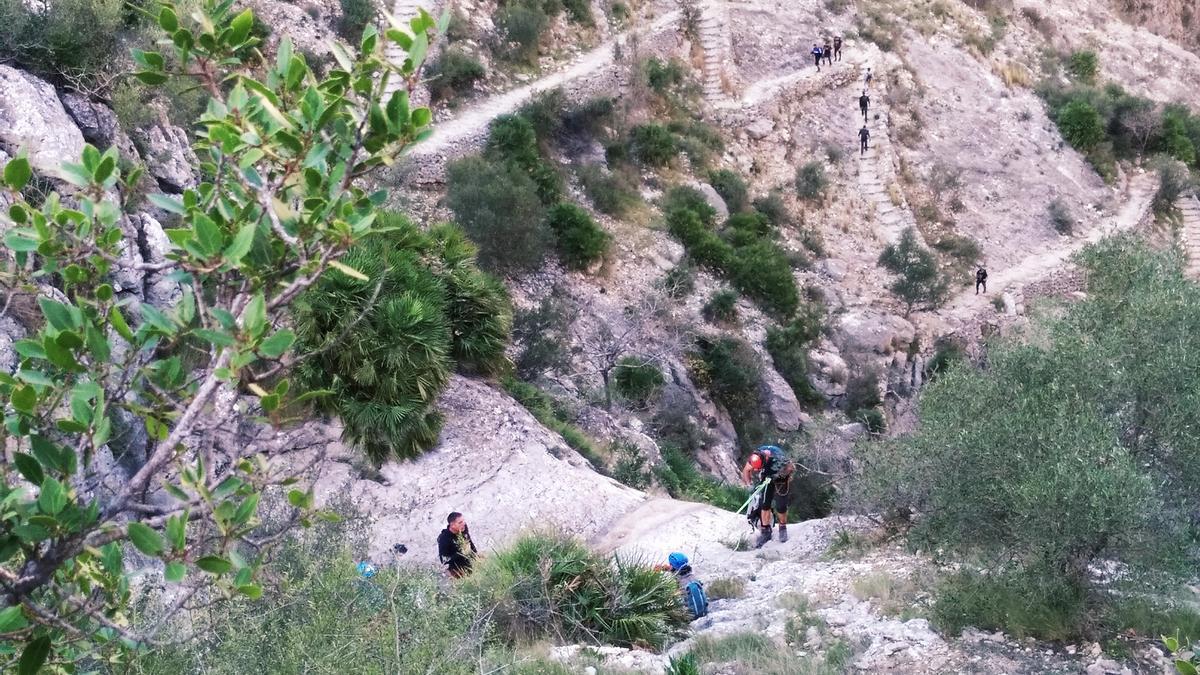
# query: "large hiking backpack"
x,y
696,599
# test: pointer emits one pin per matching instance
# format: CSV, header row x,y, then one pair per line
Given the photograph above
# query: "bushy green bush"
x,y
721,307
590,117
811,181
1080,125
79,38
690,199
546,112
652,144
680,280
699,141
1060,216
541,334
662,76
771,205
1174,180
1069,465
919,280
385,346
1083,65
637,378
522,26
613,193
678,475
552,585
356,14
1020,604
763,271
454,74
732,189
947,354
747,227
555,417
788,346
580,241
579,11
513,139
498,206
730,370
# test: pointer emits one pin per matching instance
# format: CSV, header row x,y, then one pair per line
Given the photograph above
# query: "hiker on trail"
x,y
864,102
455,548
981,280
864,135
817,54
827,52
868,79
693,590
772,467
837,47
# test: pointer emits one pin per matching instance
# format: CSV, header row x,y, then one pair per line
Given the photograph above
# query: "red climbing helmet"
x,y
756,461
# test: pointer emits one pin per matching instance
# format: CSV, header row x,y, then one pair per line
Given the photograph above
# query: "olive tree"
x,y
282,155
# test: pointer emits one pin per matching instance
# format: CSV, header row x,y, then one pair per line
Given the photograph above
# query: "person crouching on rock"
x,y
455,549
769,463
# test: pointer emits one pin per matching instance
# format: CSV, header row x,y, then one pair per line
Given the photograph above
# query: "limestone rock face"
x,y
32,119
714,200
870,332
168,156
495,464
98,124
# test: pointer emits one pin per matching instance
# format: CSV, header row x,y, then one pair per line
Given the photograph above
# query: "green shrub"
x,y
726,588
748,227
680,280
730,370
697,140
788,347
356,14
619,11
579,11
873,419
637,378
548,585
513,139
1080,125
1060,216
663,76
947,355
553,416
732,189
763,272
678,475
1174,180
545,113
771,205
811,181
590,117
612,193
498,206
522,27
919,281
630,468
721,307
386,354
1180,134
689,199
961,247
580,241
1083,65
862,391
652,144
453,74
1020,604
541,334
76,37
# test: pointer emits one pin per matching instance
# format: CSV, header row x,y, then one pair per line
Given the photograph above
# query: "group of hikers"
x,y
832,51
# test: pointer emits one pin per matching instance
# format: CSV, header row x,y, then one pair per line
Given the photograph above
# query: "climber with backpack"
x,y
693,590
773,472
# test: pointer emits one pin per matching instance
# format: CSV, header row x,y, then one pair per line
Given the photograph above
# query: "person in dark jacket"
x,y
769,462
837,48
864,102
864,135
827,53
817,54
455,549
980,280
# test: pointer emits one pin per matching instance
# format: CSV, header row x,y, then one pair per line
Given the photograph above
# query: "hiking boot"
x,y
764,535
783,534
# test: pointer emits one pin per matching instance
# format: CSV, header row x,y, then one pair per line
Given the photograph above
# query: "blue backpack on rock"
x,y
695,598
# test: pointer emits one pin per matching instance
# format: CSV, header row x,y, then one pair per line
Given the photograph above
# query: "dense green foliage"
x,y
385,345
453,74
1074,448
580,241
1081,125
498,206
1060,216
637,379
555,417
731,372
613,193
788,346
662,76
97,368
356,15
721,307
919,281
744,250
1083,65
541,334
652,144
677,473
732,189
811,181
78,38
513,140
549,585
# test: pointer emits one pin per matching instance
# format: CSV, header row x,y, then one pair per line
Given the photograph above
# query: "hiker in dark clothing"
x,y
981,280
864,102
769,462
837,48
827,52
817,54
455,548
864,135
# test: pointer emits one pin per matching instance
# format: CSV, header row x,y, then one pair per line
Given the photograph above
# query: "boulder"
x,y
760,128
98,124
33,119
714,200
781,401
168,156
828,372
834,269
865,331
154,245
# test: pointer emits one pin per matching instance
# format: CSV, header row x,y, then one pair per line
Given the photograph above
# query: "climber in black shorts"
x,y
769,462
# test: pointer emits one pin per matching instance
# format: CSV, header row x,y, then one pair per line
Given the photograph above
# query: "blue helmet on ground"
x,y
677,560
770,449
366,569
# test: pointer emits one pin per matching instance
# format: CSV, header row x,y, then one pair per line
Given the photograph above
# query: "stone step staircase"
x,y
715,41
878,167
403,11
1189,206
